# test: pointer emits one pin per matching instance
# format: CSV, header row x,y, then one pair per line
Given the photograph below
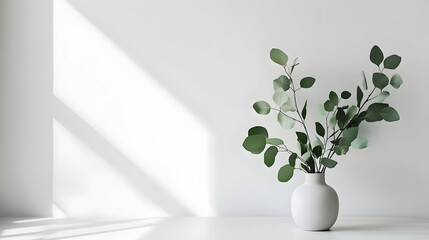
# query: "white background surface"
x,y
25,107
215,228
168,87
152,100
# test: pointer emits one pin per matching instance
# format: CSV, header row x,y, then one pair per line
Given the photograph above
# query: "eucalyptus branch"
x,y
290,152
297,110
279,110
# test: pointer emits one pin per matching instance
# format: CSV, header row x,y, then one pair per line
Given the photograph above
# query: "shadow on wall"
x,y
183,51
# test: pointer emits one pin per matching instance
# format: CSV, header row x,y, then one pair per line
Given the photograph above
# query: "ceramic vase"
x,y
314,204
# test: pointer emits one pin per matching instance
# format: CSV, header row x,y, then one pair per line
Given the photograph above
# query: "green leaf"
x,y
348,136
380,80
396,81
351,112
304,110
341,118
364,82
258,130
333,97
332,121
280,97
317,151
322,110
302,148
381,97
282,82
392,62
270,156
359,96
262,107
303,166
345,95
307,82
302,137
360,143
278,56
292,159
275,141
285,173
289,106
373,112
310,163
329,106
255,143
284,121
317,142
329,163
306,156
376,56
320,129
389,114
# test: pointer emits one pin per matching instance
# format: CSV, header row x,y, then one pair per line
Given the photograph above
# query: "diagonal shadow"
x,y
141,181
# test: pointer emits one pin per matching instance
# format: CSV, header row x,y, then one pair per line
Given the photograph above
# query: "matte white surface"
x,y
26,73
314,204
218,228
131,72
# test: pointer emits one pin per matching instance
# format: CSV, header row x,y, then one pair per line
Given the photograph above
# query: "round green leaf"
x,y
307,82
317,142
280,97
392,62
345,95
285,173
376,56
255,143
320,129
322,110
351,112
329,106
289,106
373,112
333,97
275,141
258,130
389,114
381,97
270,156
278,56
396,81
380,80
285,122
341,117
364,82
282,82
349,135
360,143
332,121
329,163
292,159
262,107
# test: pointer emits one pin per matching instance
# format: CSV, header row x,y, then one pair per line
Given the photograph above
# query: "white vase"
x,y
314,204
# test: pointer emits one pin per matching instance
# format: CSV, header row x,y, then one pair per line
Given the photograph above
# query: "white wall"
x,y
25,108
153,100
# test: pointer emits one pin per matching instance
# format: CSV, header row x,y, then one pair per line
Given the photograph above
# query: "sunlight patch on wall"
x,y
126,112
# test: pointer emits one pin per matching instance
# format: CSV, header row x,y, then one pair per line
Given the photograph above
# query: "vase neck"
x,y
315,178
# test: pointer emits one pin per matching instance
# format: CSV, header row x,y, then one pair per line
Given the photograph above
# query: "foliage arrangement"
x,y
341,121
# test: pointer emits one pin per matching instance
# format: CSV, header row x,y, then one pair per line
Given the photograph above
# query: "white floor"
x,y
225,228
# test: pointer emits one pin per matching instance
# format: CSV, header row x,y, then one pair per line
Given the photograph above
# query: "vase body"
x,y
314,204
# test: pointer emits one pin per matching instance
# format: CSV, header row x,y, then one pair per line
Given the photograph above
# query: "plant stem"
x,y
290,152
286,115
297,110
